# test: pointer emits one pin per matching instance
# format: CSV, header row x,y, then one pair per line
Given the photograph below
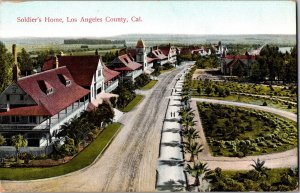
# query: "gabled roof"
x,y
109,74
127,63
231,60
82,68
159,54
61,97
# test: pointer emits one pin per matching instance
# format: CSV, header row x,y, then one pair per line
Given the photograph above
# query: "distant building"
x,y
128,68
230,63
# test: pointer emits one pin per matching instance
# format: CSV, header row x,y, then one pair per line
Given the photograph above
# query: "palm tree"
x,y
197,170
259,167
191,134
18,141
193,149
2,140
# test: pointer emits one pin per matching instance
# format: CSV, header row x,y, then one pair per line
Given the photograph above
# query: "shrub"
x,y
253,175
265,104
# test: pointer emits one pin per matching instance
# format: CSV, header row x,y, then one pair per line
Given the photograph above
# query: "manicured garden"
x,y
137,99
258,179
149,85
219,88
83,159
238,132
229,91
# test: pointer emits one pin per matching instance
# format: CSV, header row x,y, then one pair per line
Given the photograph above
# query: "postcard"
x,y
146,96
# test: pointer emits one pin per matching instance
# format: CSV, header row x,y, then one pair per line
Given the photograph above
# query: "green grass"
x,y
83,159
253,100
133,103
149,85
227,131
271,183
168,70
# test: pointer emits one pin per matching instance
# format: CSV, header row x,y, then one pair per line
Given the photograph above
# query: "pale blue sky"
x,y
174,17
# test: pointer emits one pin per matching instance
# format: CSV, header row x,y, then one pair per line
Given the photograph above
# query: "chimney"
x,y
16,73
56,61
14,52
16,70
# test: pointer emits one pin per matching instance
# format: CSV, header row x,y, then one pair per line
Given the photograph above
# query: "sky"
x,y
158,17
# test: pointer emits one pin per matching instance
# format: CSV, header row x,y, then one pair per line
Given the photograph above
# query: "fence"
x,y
8,151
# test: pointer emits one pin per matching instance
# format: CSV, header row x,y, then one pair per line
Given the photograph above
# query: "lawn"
x,y
133,103
168,70
83,159
228,134
254,101
279,179
149,85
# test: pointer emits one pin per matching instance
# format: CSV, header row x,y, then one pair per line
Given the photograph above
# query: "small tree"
x,y
193,149
18,141
259,167
2,140
197,170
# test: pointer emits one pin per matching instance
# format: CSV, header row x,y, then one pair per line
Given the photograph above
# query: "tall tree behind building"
x,y
26,63
5,67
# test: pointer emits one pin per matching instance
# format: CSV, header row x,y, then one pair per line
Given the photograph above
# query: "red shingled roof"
x,y
82,68
62,96
125,59
158,54
38,110
109,74
165,50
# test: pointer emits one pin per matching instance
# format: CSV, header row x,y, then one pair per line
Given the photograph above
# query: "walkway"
x,y
170,169
274,160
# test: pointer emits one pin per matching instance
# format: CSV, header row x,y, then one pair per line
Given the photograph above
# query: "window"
x,y
99,73
32,119
21,97
49,91
15,119
126,60
7,97
68,82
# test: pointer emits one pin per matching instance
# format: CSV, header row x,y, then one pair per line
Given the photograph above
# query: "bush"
x,y
265,104
253,175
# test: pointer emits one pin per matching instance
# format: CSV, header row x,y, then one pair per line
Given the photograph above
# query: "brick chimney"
x,y
16,70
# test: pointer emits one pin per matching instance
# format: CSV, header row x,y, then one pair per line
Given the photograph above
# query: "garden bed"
x,y
238,132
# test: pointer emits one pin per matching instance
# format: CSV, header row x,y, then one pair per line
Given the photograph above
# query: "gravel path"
x,y
129,163
274,160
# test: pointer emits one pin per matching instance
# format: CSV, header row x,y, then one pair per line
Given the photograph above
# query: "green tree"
x,y
193,149
259,167
191,134
26,63
5,67
2,140
18,141
196,170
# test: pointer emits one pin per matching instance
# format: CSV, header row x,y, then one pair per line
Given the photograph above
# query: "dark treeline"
x,y
274,65
93,41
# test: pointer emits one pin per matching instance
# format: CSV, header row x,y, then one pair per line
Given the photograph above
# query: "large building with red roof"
x,y
37,105
231,64
128,68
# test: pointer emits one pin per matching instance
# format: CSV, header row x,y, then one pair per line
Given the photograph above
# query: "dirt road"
x,y
129,163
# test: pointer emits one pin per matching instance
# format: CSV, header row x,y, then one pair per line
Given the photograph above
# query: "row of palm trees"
x,y
190,134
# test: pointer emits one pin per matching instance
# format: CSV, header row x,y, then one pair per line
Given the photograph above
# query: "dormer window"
x,y
68,82
126,60
45,87
64,79
49,91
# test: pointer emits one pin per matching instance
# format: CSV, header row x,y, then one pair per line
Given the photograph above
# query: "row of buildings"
x,y
37,105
